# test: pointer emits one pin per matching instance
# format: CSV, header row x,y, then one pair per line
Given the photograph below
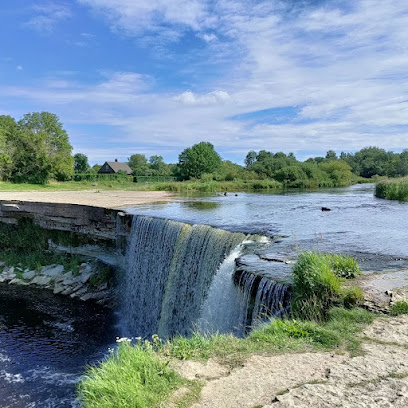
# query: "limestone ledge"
x,y
63,282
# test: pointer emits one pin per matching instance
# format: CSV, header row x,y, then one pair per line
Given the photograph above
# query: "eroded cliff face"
x,y
98,224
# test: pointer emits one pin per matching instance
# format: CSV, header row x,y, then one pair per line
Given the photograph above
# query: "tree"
x,y
8,130
30,159
81,164
331,155
138,163
198,159
250,158
158,166
45,129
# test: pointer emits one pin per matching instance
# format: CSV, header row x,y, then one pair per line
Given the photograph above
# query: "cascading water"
x,y
168,271
261,297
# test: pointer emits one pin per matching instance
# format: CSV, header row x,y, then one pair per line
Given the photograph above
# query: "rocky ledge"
x,y
89,283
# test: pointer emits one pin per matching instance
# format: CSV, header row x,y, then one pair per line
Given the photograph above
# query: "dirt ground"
x,y
377,378
106,199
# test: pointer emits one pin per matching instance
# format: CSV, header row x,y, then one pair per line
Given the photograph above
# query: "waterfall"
x,y
168,270
261,297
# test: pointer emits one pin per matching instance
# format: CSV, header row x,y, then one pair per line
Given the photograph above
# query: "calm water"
x,y
46,341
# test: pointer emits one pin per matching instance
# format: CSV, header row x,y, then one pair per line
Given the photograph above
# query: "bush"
x,y
352,296
399,308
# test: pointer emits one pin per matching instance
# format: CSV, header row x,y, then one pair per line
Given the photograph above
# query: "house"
x,y
114,167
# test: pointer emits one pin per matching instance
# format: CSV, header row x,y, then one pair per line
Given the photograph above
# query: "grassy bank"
x,y
175,186
392,189
137,374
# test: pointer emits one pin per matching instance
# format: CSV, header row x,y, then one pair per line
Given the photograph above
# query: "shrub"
x,y
352,296
343,266
399,308
396,189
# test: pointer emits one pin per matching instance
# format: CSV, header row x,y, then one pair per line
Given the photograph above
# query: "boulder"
x,y
52,270
41,280
29,275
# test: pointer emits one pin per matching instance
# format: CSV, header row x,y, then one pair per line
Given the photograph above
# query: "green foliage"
x,y
131,377
81,164
138,164
46,130
396,189
197,160
351,296
317,285
104,275
343,266
399,308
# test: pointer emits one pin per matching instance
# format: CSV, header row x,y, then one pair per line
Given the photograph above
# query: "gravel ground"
x,y
106,199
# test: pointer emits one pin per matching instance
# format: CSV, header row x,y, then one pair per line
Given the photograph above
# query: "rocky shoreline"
x,y
87,283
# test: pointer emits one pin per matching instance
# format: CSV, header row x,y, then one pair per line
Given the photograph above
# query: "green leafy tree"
x,y
331,155
30,159
44,128
197,160
250,158
138,164
81,164
158,166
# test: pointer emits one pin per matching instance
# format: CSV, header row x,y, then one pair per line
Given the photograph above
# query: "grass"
x,y
38,259
399,308
318,284
131,377
392,189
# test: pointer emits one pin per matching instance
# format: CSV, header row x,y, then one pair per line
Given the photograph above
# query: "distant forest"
x,y
36,149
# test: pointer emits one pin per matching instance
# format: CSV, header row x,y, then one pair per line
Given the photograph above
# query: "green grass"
x,y
38,259
318,284
131,377
392,189
399,308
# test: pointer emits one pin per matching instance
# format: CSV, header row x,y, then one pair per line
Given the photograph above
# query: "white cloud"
x,y
345,69
211,98
46,16
136,17
208,37
19,67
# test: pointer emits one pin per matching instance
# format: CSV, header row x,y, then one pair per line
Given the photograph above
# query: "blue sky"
x,y
156,76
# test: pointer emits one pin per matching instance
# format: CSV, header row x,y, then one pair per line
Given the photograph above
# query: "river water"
x,y
46,341
372,229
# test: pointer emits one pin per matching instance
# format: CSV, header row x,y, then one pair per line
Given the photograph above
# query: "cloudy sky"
x,y
156,76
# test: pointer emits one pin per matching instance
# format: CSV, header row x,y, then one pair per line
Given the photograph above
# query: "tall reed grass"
x,y
392,189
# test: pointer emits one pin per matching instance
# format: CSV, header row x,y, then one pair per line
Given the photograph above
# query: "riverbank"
x,y
392,189
94,198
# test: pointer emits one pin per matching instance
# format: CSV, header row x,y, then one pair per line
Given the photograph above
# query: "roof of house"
x,y
117,166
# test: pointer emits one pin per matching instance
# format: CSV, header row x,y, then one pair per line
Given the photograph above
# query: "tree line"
x,y
36,149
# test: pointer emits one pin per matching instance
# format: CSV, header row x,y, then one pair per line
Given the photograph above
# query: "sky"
x,y
157,76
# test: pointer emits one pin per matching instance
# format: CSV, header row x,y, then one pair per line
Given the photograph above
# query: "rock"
x,y
68,290
102,287
17,281
325,209
2,279
41,280
58,288
2,264
52,270
84,277
29,274
69,279
79,292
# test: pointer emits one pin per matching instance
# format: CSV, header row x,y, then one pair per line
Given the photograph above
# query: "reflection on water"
x,y
202,205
